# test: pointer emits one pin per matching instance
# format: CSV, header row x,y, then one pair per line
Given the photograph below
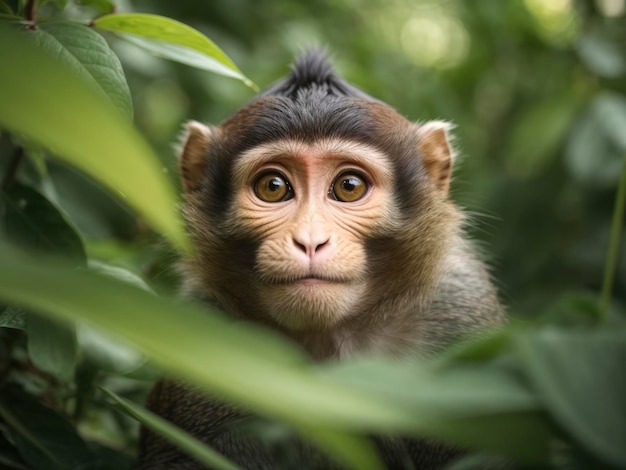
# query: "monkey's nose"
x,y
312,243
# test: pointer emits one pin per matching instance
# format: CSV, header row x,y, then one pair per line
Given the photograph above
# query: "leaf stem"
x,y
610,265
30,12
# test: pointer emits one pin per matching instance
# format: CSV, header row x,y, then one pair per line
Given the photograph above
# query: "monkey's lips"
x,y
311,280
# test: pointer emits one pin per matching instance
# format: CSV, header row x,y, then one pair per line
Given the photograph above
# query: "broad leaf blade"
x,y
43,100
471,404
354,451
87,54
52,346
175,435
232,360
580,377
171,32
34,223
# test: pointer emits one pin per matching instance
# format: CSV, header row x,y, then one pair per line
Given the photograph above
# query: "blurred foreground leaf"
x,y
201,346
580,376
176,436
172,40
473,405
43,100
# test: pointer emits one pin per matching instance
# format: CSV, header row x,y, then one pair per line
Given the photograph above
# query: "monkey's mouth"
x,y
310,280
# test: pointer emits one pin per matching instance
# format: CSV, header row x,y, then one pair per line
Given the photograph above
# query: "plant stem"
x,y
610,265
30,12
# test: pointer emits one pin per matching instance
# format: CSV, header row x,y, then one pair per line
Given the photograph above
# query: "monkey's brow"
x,y
340,150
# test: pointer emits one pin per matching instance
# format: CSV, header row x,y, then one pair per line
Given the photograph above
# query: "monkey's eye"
x,y
348,187
272,186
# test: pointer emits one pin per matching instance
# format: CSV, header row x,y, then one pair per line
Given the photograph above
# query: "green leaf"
x,y
473,404
602,56
353,451
173,40
175,435
60,4
87,54
106,351
12,317
580,377
43,100
104,6
32,222
44,439
233,360
480,349
119,273
573,310
52,346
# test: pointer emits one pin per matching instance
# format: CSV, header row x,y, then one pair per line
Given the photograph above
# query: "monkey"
x,y
320,212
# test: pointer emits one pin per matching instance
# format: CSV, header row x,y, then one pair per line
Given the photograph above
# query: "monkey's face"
x,y
305,214
310,207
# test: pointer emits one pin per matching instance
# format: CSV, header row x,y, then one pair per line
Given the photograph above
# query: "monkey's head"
x,y
315,204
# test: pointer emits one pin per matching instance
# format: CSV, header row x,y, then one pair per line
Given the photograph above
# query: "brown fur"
x,y
410,283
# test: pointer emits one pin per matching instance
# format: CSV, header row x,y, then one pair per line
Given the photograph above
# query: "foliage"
x,y
538,92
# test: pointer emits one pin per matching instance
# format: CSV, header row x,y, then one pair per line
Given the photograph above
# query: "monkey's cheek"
x,y
311,305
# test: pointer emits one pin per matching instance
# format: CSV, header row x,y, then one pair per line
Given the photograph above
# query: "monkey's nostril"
x,y
300,246
321,246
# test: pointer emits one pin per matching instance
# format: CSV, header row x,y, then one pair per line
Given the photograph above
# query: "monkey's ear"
x,y
193,153
437,153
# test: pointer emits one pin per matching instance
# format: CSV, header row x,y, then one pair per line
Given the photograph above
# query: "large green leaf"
x,y
89,56
44,100
353,451
235,360
52,346
232,360
471,404
580,377
173,40
176,436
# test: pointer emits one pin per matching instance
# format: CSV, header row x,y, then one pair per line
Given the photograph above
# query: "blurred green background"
x,y
536,89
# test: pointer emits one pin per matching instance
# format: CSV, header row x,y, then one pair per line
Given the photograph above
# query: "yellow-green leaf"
x,y
45,101
173,40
